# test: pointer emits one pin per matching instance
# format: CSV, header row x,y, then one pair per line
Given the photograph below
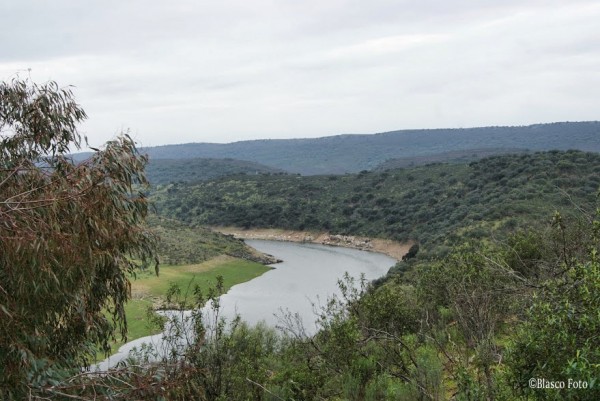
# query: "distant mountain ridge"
x,y
352,153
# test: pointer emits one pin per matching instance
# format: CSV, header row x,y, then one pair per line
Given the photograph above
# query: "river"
x,y
308,275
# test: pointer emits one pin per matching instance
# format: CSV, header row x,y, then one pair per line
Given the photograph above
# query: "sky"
x,y
222,71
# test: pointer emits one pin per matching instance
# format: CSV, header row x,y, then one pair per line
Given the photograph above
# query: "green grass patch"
x,y
148,289
233,270
137,319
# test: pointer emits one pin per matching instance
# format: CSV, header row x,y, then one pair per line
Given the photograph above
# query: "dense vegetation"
x,y
342,154
432,204
72,236
69,237
183,244
511,294
457,156
479,324
164,171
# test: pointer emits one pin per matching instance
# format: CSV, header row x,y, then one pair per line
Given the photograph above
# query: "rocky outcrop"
x,y
349,241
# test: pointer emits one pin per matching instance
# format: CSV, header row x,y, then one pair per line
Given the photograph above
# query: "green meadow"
x,y
148,290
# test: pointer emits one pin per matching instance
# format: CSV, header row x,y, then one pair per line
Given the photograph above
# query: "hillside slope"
x,y
353,153
428,203
163,171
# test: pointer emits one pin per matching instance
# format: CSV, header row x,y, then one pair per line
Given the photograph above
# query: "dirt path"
x,y
391,248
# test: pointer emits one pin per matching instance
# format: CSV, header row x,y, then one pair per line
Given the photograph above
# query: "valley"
x,y
300,201
482,268
460,232
436,204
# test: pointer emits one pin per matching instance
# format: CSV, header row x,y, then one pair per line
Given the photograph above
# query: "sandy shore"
x,y
388,247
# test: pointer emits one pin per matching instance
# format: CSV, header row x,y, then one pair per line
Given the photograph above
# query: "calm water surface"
x,y
308,275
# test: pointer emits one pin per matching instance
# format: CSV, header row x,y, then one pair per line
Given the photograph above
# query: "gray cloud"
x,y
221,71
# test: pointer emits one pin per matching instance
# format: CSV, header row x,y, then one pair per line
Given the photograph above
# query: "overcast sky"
x,y
226,70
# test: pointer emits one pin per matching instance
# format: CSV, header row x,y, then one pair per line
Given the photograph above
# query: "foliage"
x,y
467,297
558,341
412,252
436,204
184,244
222,359
165,171
442,337
443,325
457,156
70,235
492,305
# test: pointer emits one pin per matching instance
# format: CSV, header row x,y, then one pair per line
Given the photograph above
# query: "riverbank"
x,y
307,274
148,291
391,248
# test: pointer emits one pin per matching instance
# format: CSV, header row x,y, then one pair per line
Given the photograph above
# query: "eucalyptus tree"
x,y
71,234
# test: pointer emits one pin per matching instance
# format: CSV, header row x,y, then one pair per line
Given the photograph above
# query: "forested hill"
x,y
163,171
353,153
429,203
456,156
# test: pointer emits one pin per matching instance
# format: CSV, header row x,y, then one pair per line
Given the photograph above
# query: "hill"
x,y
163,171
429,203
182,244
353,153
456,156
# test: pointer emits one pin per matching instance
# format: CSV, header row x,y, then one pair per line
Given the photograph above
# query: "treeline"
x,y
438,203
342,154
164,171
456,156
